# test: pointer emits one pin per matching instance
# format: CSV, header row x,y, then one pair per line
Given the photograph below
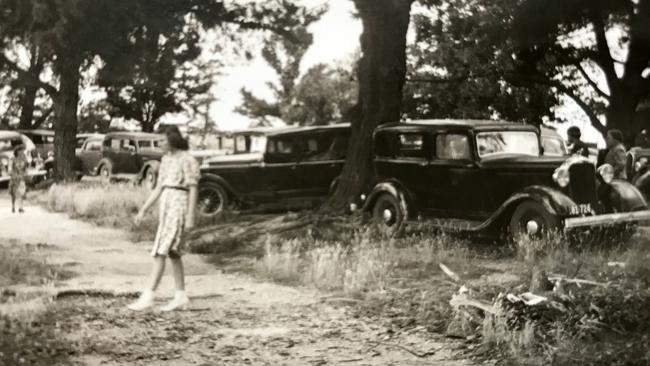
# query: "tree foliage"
x,y
284,55
461,65
72,34
569,44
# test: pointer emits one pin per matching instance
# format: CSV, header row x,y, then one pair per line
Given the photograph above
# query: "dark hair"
x,y
175,139
616,135
574,132
18,149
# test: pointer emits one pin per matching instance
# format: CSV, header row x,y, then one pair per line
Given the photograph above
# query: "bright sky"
x,y
336,36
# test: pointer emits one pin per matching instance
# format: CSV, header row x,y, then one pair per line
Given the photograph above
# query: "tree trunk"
x,y
382,72
27,102
621,114
65,127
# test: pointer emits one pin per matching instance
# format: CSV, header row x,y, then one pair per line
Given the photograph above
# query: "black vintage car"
x,y
129,155
271,169
491,178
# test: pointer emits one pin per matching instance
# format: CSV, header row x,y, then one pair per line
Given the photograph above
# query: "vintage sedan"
x,y
9,140
131,155
490,178
274,169
89,154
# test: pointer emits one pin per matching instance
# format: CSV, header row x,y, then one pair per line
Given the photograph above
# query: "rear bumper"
x,y
607,219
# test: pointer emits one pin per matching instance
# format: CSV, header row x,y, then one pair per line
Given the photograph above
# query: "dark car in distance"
x,y
274,169
491,178
128,155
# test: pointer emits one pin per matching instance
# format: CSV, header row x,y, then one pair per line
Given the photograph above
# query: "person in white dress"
x,y
177,191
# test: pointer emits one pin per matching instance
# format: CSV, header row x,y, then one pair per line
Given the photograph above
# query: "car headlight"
x,y
561,177
606,171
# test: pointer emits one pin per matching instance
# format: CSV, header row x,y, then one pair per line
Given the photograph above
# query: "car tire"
x,y
213,199
387,215
531,219
150,178
106,172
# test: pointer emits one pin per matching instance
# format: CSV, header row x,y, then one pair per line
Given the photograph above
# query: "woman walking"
x,y
18,178
177,190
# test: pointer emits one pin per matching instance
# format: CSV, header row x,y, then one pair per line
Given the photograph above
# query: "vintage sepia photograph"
x,y
325,182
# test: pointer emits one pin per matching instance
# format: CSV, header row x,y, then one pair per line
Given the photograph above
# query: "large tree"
x,y
570,44
382,71
460,65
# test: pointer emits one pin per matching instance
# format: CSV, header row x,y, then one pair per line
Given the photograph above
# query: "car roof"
x,y
134,135
276,131
462,124
41,131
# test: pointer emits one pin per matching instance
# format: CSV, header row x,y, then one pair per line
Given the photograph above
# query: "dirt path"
x,y
233,319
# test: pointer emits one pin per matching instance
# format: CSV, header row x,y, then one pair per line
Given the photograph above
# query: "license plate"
x,y
582,209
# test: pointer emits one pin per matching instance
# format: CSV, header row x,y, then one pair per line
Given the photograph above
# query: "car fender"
x,y
642,183
554,201
396,189
626,197
209,177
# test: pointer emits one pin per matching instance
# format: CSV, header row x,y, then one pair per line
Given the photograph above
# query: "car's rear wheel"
x,y
150,178
213,199
387,215
531,220
105,172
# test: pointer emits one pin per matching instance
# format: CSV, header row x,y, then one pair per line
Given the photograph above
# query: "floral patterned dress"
x,y
18,177
178,171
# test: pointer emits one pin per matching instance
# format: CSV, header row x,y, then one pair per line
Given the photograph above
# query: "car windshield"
x,y
553,146
507,142
10,143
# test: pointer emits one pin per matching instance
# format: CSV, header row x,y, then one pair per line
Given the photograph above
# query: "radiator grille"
x,y
583,183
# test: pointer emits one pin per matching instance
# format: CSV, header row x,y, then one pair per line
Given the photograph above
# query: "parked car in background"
x,y
82,137
128,155
490,178
89,154
43,140
9,140
274,169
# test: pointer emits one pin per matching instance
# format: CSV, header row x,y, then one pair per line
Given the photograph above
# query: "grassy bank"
x,y
112,205
600,321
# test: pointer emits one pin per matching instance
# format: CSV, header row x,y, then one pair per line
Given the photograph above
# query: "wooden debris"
x,y
451,274
577,281
461,299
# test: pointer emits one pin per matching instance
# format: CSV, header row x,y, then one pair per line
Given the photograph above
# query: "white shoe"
x,y
144,301
179,301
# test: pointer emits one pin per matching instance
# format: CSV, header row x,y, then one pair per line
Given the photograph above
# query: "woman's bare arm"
x,y
153,197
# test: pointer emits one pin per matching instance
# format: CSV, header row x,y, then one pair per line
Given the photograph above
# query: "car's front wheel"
x,y
531,220
213,199
387,215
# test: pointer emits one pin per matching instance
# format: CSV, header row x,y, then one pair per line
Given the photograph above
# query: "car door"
x,y
321,163
123,155
280,167
454,176
90,155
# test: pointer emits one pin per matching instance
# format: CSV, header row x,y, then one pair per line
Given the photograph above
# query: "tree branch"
x,y
603,54
451,80
591,82
582,104
49,89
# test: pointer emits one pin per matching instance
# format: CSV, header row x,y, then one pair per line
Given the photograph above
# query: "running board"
x,y
451,224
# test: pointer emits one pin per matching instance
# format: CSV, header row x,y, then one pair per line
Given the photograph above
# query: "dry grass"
x,y
25,265
112,205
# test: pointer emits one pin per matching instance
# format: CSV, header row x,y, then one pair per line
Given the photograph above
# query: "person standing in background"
x,y
18,178
616,153
576,146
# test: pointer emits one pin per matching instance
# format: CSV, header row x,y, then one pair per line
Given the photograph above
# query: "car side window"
x,y
114,144
453,147
128,145
410,145
93,146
